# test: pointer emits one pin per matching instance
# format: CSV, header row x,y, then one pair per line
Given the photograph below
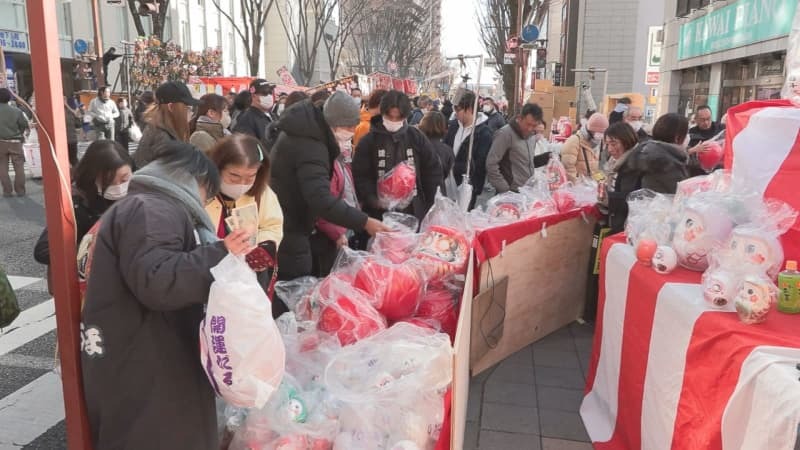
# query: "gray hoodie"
x,y
512,159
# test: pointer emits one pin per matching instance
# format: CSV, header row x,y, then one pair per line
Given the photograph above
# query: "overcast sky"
x,y
460,33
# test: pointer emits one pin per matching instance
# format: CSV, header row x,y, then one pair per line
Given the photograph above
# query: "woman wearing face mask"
x,y
244,173
390,142
211,122
101,178
167,122
581,152
658,164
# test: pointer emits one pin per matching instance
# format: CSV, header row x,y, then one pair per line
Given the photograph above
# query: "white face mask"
x,y
392,126
488,109
116,191
598,137
267,102
637,125
225,121
234,191
343,135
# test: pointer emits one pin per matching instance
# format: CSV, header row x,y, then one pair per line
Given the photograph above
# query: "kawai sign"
x,y
735,25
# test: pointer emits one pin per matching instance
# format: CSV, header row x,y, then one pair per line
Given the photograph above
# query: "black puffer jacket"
x,y
302,160
653,165
254,122
365,166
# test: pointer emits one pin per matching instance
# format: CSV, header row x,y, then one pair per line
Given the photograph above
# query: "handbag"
x,y
135,133
9,307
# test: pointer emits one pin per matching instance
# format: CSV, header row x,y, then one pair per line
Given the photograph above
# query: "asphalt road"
x,y
21,223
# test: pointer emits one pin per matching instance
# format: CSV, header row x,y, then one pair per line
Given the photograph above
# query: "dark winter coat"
x,y
495,121
416,116
653,165
302,166
480,150
446,157
142,378
254,122
366,166
153,138
86,214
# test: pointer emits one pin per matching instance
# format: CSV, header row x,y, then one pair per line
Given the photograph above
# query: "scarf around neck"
x,y
151,177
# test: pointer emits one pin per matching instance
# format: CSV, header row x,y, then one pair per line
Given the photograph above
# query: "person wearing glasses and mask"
x,y
581,152
255,119
634,117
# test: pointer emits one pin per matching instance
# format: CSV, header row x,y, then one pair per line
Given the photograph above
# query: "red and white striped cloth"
x,y
667,372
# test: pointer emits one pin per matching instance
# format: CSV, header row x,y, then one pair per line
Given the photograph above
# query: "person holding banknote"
x,y
246,201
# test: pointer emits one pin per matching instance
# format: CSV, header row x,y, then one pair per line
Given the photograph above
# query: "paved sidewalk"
x,y
530,401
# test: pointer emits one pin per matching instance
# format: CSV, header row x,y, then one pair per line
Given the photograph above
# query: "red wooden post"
x,y
46,64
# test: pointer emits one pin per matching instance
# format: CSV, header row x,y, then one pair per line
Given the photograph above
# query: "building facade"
x,y
620,36
193,24
722,53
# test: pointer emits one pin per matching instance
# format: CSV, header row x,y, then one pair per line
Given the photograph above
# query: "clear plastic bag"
x,y
555,174
397,246
347,312
297,295
650,215
576,195
394,289
446,237
441,305
398,221
391,366
241,349
540,200
398,187
703,225
508,207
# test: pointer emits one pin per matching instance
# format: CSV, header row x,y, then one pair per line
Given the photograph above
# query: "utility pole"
x,y
518,68
99,71
46,63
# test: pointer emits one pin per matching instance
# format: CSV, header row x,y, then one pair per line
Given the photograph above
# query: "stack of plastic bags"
x,y
547,193
368,348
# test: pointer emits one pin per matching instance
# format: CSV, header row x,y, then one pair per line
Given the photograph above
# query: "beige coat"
x,y
270,224
574,154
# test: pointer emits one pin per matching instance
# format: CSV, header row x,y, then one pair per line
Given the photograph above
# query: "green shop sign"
x,y
742,23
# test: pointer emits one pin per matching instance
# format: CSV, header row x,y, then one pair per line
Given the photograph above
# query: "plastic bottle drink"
x,y
789,285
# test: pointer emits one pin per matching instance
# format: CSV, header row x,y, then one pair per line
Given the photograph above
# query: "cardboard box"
x,y
543,99
543,86
547,115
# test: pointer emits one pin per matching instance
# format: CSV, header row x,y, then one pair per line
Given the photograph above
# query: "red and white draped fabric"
x,y
762,148
667,372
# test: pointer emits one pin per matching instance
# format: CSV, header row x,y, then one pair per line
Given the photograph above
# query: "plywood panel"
x,y
489,309
546,287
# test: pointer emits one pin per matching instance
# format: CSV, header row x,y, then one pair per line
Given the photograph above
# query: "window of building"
x,y
12,15
186,42
686,6
64,18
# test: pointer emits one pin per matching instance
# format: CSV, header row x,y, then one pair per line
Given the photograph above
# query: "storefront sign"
x,y
742,23
14,41
652,78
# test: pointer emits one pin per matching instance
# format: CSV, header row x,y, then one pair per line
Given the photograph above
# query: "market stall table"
x,y
667,371
546,260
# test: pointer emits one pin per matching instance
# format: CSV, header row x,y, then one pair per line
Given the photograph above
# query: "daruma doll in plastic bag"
x,y
347,313
556,174
443,251
398,187
397,288
241,348
506,207
702,226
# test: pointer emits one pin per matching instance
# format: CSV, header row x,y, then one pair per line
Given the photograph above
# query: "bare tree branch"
x,y
253,14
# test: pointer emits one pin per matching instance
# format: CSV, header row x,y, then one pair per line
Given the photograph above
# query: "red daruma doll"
x,y
398,187
444,250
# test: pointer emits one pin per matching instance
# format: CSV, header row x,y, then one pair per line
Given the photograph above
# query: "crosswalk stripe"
x,y
31,323
31,411
18,282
